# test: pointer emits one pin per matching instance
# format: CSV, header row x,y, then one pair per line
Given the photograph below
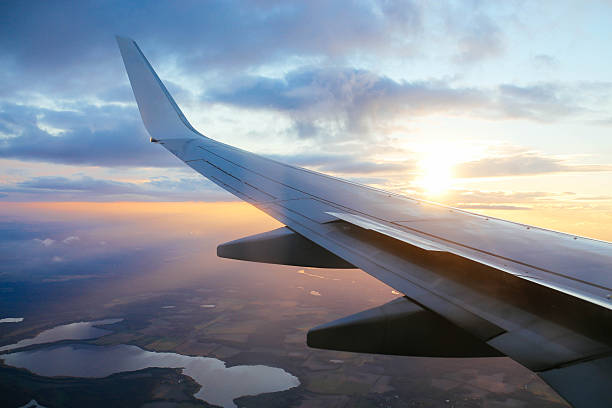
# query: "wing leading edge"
x,y
541,297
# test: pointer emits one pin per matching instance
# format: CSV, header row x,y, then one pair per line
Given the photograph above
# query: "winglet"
x,y
160,114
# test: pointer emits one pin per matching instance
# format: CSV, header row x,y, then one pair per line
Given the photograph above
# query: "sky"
x,y
501,108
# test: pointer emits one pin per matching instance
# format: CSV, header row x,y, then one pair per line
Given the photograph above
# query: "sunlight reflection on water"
x,y
220,385
11,320
72,331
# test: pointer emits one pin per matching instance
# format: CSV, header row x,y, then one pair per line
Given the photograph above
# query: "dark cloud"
x,y
67,48
102,136
340,100
65,45
83,184
521,165
331,103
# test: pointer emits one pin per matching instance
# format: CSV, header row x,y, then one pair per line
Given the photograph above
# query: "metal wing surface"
x,y
541,297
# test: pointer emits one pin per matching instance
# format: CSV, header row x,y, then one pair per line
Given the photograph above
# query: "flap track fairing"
x,y
400,327
284,247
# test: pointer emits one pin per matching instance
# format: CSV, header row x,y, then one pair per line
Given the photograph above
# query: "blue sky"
x,y
505,106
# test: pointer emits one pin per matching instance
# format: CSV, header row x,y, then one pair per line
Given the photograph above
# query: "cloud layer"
x,y
351,88
524,164
84,188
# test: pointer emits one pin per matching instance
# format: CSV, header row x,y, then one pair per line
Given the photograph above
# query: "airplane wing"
x,y
474,286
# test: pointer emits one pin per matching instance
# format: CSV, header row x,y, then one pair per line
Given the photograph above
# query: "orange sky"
x,y
171,217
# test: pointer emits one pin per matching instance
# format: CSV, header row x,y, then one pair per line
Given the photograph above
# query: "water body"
x,y
72,331
11,320
220,385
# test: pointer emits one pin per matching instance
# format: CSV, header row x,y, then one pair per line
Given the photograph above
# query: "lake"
x,y
220,384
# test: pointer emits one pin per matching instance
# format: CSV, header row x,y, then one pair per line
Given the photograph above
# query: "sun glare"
x,y
436,172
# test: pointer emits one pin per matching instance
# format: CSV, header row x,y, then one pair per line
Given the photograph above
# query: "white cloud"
x,y
46,242
71,239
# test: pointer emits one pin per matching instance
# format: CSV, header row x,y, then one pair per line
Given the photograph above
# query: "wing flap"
x,y
403,236
521,270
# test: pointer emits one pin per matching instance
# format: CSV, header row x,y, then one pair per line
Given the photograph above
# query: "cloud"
x,y
344,100
67,46
545,61
46,242
331,103
340,102
596,198
82,188
523,164
479,38
66,99
72,54
500,200
71,239
476,197
541,102
82,184
523,200
347,164
27,259
89,135
336,72
491,207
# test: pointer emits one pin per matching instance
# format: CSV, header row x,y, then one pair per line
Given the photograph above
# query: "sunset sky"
x,y
496,107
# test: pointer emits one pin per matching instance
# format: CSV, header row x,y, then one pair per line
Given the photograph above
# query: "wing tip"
x,y
161,115
123,40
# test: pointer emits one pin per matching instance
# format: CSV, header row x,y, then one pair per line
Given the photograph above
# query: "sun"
x,y
436,172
